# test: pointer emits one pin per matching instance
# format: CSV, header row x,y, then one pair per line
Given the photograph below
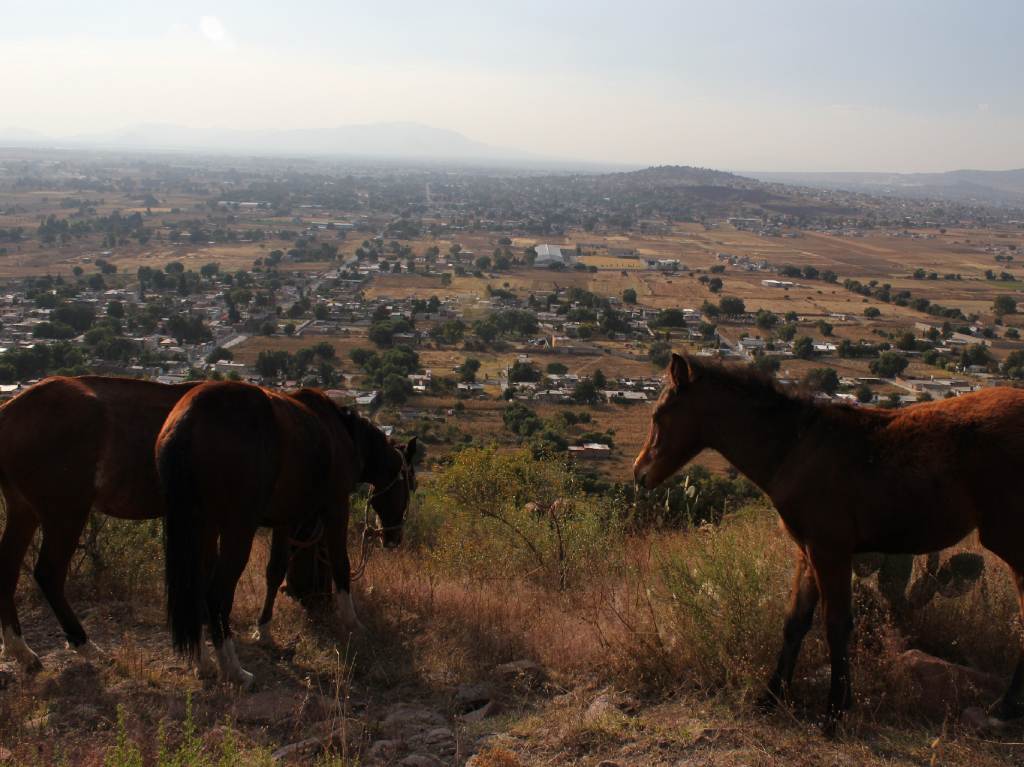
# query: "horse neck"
x,y
377,455
754,429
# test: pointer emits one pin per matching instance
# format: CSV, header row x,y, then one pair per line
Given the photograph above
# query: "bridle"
x,y
377,532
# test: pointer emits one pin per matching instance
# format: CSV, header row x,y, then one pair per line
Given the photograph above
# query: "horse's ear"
x,y
410,450
680,372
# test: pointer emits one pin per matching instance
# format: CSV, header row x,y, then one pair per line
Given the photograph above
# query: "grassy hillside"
x,y
627,642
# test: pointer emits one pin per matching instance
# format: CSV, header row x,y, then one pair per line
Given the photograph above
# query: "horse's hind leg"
x,y
21,526
235,547
803,598
60,538
277,566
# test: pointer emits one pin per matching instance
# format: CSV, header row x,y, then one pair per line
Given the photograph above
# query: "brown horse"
x,y
232,457
847,480
69,446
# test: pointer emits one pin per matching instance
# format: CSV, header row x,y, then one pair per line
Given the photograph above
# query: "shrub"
x,y
507,515
724,595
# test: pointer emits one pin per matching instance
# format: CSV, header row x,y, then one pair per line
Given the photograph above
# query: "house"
x,y
550,254
590,451
368,399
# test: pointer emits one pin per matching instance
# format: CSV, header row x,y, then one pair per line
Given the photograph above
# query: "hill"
x,y
992,187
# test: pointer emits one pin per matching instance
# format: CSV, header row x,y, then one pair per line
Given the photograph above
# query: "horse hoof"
x,y
769,701
261,634
244,680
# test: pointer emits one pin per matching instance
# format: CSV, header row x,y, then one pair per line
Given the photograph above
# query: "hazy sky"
x,y
758,85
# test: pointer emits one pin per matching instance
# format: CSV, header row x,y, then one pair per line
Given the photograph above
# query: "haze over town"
x,y
789,86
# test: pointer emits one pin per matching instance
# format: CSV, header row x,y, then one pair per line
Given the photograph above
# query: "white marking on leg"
x,y
347,611
262,634
230,669
15,647
206,667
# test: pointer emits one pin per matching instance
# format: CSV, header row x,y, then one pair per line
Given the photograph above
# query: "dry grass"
x,y
651,656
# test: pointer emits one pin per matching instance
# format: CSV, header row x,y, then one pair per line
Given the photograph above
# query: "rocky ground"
x,y
375,701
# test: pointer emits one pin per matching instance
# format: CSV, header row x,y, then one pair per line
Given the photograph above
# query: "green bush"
x,y
725,593
508,515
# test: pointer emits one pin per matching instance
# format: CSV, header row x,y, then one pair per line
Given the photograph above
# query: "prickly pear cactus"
x,y
952,578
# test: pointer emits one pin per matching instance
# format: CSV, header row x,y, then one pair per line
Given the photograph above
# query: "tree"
x,y
822,379
396,389
872,312
585,393
115,309
660,353
1004,305
864,394
787,332
629,296
468,369
825,328
556,369
889,364
803,348
731,306
715,284
599,379
765,319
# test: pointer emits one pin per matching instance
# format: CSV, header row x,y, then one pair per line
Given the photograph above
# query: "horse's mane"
x,y
758,385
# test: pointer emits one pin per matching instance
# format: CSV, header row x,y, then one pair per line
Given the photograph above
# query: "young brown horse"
x,y
232,457
848,480
70,446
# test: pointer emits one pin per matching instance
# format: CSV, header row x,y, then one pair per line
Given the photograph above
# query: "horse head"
x,y
675,435
392,493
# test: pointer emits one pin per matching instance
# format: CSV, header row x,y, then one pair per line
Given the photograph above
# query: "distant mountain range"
x,y
399,140
1000,187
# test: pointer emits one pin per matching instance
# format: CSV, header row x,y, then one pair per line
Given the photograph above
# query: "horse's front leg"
x,y
277,566
833,572
337,548
803,599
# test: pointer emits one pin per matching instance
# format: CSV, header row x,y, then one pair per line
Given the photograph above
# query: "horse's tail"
x,y
182,536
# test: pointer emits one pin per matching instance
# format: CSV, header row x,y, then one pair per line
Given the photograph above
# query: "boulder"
x,y
420,760
469,697
489,709
521,672
946,686
272,706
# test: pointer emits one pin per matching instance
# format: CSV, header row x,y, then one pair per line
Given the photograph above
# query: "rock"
x,y
384,751
271,706
521,671
600,708
437,739
489,709
419,760
944,685
469,697
405,719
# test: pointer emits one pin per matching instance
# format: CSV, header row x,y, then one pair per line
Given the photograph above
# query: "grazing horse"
x,y
69,446
232,457
846,480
